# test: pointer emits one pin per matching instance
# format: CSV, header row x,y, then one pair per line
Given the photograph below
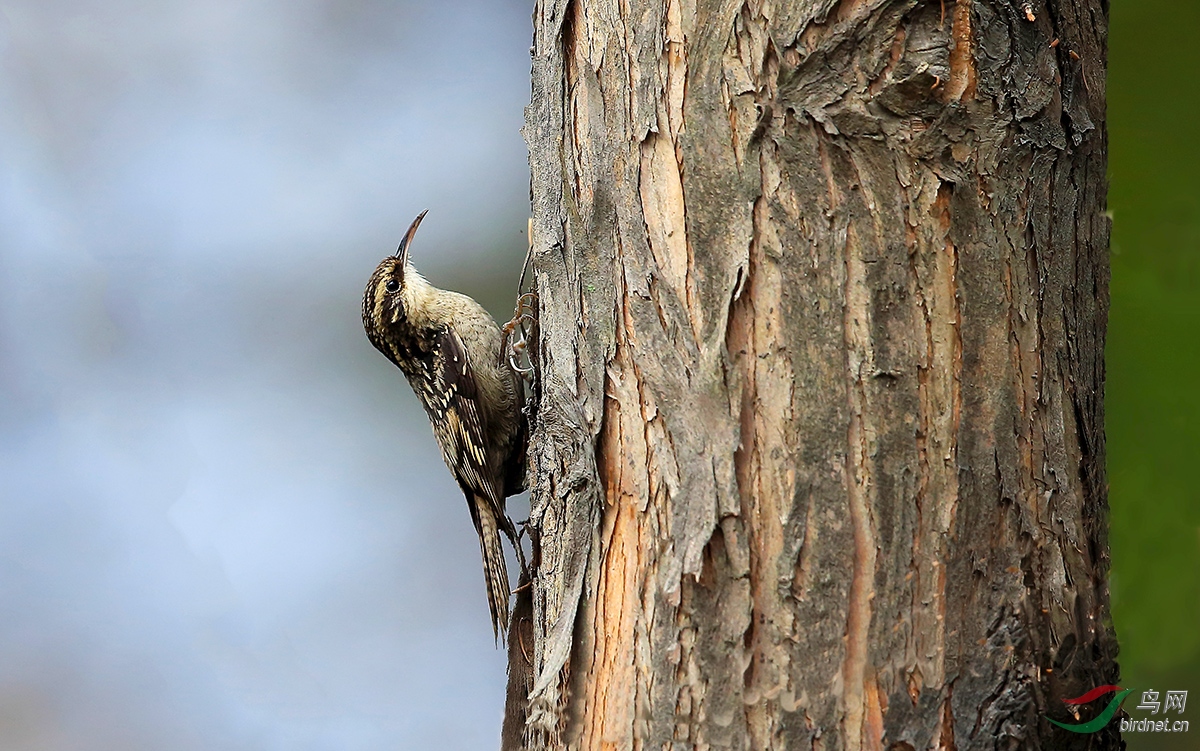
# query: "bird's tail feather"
x,y
495,572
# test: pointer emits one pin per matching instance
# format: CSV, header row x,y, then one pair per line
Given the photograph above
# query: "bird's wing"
x,y
458,421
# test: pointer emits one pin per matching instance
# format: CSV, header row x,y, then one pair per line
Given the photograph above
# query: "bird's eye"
x,y
393,285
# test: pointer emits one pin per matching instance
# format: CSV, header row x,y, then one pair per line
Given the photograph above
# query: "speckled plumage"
x,y
449,349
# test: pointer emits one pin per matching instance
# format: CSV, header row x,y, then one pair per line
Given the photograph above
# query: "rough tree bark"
x,y
819,457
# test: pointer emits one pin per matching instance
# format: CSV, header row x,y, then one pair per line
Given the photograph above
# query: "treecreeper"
x,y
459,364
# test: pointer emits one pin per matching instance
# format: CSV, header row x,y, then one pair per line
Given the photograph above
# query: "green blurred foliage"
x,y
1153,402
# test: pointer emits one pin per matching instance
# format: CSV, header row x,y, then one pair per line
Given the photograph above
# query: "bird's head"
x,y
385,304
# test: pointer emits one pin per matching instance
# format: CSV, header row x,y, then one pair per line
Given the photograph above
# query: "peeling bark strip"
x,y
819,461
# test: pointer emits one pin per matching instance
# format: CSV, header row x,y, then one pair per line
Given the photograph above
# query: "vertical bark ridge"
x,y
858,485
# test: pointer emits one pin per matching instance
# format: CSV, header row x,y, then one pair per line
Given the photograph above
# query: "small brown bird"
x,y
452,353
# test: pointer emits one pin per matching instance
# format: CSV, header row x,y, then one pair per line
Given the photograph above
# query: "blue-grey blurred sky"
x,y
224,523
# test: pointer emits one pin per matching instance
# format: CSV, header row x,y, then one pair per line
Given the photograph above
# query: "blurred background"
x,y
1153,400
223,521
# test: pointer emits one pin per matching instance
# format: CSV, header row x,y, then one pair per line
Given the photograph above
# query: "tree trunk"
x,y
819,453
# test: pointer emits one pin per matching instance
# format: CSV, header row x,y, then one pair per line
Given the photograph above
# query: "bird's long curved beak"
x,y
406,243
